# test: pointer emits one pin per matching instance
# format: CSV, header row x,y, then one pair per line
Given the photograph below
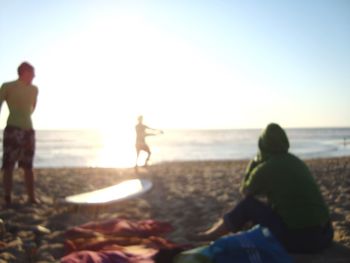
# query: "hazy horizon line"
x,y
197,129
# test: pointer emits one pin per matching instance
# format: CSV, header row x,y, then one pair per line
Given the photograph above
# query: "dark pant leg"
x,y
251,210
306,240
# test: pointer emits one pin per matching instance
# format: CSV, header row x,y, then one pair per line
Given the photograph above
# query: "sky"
x,y
181,64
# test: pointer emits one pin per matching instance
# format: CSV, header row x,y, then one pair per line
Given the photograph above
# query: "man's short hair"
x,y
25,66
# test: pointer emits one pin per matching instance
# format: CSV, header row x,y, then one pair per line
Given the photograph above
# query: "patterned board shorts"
x,y
18,145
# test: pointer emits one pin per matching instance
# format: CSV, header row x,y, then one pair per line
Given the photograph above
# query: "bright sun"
x,y
122,66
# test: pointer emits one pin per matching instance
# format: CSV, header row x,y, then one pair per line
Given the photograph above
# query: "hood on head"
x,y
273,140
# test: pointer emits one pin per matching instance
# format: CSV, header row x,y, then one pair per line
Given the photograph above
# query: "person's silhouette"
x,y
19,134
141,132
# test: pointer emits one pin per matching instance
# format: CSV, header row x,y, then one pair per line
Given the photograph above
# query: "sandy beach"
x,y
189,195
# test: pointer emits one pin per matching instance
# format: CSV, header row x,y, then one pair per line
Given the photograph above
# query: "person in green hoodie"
x,y
293,207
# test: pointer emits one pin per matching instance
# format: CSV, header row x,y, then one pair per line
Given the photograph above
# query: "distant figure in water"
x,y
293,210
141,132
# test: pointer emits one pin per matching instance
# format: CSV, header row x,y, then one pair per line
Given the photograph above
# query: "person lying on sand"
x,y
294,210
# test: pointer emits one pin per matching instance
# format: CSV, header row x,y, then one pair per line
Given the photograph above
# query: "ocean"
x,y
91,148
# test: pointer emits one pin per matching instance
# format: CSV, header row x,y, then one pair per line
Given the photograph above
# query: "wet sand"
x,y
189,195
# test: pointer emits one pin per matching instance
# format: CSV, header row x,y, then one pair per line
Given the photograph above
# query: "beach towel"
x,y
256,245
118,240
105,257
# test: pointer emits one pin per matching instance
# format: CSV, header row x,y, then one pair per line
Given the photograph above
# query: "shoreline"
x,y
311,159
190,195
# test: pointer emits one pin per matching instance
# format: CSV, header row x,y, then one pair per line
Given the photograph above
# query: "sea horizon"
x,y
197,129
116,149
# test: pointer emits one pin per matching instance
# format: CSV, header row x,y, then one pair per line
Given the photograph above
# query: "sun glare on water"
x,y
117,149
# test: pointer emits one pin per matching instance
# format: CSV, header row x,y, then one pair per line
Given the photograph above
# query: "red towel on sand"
x,y
104,257
117,240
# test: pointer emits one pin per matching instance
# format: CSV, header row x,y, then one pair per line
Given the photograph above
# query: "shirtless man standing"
x,y
19,135
141,133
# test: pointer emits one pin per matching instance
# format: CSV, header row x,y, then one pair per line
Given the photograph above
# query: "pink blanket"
x,y
117,240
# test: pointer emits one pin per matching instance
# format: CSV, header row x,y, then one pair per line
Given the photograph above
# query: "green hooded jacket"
x,y
286,181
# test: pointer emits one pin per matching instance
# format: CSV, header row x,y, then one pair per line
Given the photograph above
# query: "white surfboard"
x,y
124,190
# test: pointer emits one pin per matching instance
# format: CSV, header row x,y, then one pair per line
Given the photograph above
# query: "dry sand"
x,y
190,195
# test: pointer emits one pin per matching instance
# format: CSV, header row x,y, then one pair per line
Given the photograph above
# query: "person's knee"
x,y
250,198
250,201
